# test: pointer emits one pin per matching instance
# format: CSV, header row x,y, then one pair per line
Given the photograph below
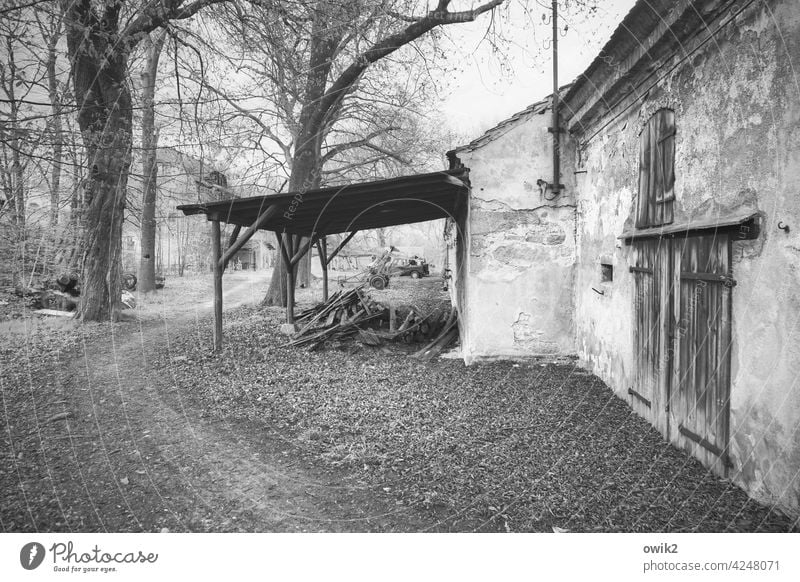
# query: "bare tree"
x,y
100,38
147,272
319,57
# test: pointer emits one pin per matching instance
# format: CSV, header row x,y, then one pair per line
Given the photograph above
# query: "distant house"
x,y
183,243
669,261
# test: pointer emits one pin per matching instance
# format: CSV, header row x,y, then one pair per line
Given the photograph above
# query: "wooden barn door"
x,y
701,338
652,276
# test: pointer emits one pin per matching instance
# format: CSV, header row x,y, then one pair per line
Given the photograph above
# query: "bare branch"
x,y
286,148
339,148
390,44
160,13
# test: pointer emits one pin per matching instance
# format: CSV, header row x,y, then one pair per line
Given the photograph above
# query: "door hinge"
x,y
728,281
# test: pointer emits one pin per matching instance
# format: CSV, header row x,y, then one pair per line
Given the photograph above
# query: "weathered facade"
x,y
683,268
519,246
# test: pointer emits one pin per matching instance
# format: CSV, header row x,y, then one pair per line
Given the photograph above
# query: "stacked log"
x,y
353,314
343,315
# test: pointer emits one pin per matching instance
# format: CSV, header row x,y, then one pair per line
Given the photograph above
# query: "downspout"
x,y
555,186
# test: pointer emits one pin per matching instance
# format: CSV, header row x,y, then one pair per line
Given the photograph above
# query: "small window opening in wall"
x,y
606,273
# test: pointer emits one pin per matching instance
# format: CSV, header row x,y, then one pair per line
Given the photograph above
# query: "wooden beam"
x,y
248,234
341,246
284,253
234,235
216,249
304,249
231,240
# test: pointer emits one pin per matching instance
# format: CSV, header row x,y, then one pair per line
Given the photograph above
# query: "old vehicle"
x,y
414,267
379,270
389,264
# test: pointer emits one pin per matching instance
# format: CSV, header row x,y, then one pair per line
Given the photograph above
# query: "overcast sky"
x,y
492,87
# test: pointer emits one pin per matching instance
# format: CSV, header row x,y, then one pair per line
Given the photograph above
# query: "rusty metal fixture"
x,y
784,227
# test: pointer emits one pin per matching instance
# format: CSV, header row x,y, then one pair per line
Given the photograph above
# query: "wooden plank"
x,y
712,277
648,332
703,382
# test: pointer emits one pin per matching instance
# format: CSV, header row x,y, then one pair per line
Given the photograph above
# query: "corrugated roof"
x,y
363,206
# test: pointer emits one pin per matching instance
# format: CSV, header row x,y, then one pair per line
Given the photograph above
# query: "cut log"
x,y
407,321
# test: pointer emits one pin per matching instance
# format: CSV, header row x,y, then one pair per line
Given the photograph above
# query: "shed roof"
x,y
362,206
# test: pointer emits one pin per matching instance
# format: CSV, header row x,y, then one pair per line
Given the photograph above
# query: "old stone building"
x,y
669,261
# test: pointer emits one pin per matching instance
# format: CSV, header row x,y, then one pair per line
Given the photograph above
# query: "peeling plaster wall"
x,y
737,105
521,248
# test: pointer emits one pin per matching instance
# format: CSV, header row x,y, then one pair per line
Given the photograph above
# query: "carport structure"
x,y
302,220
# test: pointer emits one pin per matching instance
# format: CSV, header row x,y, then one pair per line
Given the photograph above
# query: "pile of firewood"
x,y
353,314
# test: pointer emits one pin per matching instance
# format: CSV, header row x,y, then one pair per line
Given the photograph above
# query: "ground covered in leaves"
x,y
493,447
94,437
137,426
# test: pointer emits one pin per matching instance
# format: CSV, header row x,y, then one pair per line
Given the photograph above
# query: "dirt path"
x,y
134,456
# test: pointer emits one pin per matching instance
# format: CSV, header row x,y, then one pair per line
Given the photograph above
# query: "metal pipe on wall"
x,y
556,185
556,129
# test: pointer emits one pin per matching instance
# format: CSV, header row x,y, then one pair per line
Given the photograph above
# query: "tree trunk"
x,y
57,129
305,176
307,158
106,190
15,177
99,76
147,271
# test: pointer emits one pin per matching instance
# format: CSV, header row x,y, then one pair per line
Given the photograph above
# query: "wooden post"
x,y
290,278
216,247
287,249
322,249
